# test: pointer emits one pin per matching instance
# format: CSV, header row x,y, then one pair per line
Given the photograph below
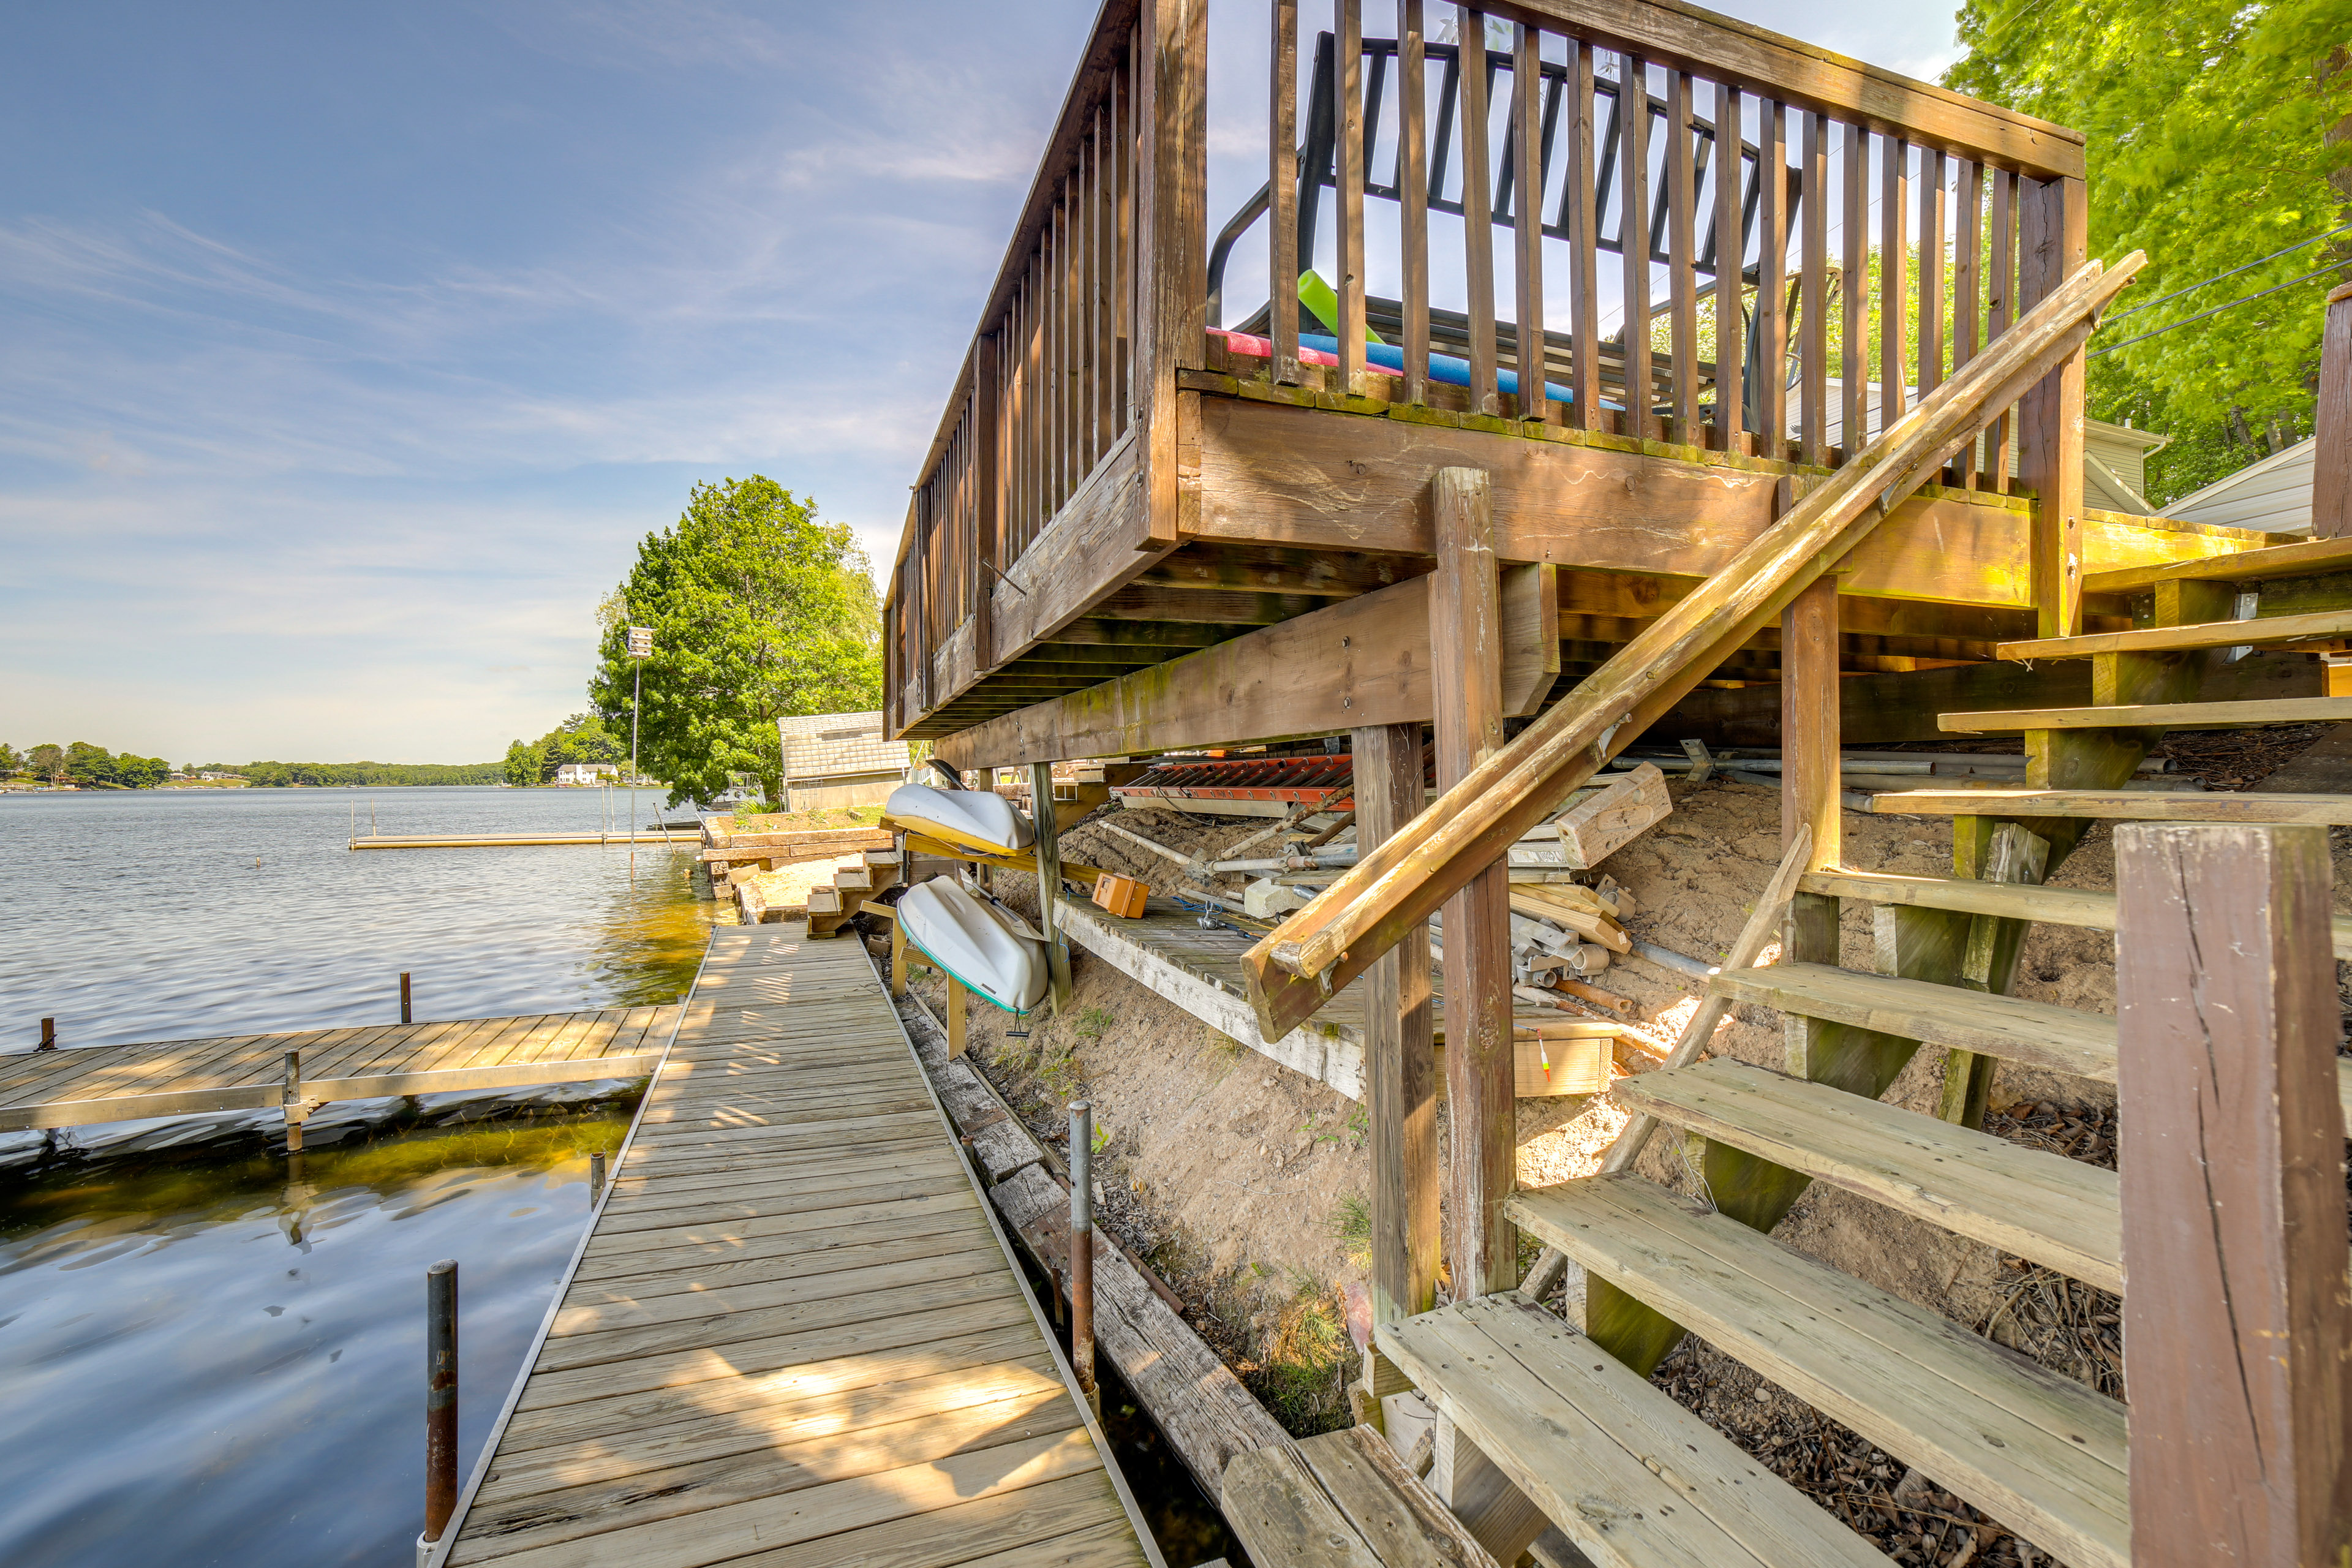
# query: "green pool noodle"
x,y
1318,297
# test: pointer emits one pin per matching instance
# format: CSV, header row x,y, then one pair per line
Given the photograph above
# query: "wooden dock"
x,y
793,1334
78,1085
520,840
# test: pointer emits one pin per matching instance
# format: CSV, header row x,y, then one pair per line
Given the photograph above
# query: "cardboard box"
x,y
1122,896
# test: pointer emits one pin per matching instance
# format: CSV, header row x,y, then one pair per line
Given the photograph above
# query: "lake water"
x,y
216,1358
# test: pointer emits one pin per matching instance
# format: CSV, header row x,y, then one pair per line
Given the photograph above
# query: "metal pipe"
x,y
440,1400
290,1096
48,1035
1082,1246
404,996
595,1176
1320,857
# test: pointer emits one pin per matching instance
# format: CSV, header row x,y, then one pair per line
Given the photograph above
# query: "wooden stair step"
x,y
2013,901
2269,632
2035,1033
2325,810
2154,716
2035,1449
2302,559
2030,1201
1631,1478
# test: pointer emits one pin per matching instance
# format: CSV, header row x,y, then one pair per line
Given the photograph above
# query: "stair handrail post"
x,y
2236,1326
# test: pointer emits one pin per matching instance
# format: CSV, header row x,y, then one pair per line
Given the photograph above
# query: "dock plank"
x,y
793,1335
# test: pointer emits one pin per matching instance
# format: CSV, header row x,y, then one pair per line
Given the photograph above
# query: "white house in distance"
x,y
588,772
837,760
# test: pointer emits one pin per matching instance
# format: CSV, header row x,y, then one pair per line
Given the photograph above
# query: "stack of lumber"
x,y
774,846
1598,821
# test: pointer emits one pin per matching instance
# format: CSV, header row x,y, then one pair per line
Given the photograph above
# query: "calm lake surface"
x,y
219,1359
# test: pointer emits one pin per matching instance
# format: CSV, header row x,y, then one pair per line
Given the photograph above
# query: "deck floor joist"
x,y
793,1336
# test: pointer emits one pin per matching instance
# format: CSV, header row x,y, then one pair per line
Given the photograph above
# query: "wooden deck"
x,y
76,1087
793,1335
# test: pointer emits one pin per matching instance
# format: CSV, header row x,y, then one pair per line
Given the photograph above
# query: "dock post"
x,y
291,1099
595,1176
48,1035
440,1402
1082,1250
956,1008
403,997
2232,1151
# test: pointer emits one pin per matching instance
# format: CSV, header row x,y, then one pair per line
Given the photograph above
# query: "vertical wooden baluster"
x,y
985,414
1526,206
1034,432
1893,276
2054,221
1967,265
1477,214
1349,174
1930,373
1049,388
2000,304
1682,252
1091,282
1583,242
1122,281
1731,261
1633,237
1066,363
1282,200
1772,392
1412,194
1812,324
1854,332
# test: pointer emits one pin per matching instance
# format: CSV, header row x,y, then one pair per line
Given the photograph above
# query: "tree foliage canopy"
x,y
759,610
2219,131
583,738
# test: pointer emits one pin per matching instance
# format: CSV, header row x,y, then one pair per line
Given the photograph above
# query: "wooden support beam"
x,y
1499,1516
1400,1063
1048,853
1465,613
958,1006
1810,794
2331,479
2233,1148
2052,244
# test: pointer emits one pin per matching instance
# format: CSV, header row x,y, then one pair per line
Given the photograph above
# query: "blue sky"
x,y
347,352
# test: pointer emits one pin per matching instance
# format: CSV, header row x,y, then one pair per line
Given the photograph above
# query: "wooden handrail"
x,y
1321,948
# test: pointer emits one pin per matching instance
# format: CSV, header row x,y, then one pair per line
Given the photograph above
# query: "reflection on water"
x,y
224,1363
158,915
221,1359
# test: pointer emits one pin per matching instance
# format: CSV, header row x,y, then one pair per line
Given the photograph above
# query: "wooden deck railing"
x,y
1887,232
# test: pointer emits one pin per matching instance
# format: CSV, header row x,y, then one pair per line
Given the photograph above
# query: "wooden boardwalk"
x,y
78,1085
793,1335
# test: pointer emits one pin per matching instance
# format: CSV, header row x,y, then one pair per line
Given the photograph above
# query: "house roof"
x,y
829,746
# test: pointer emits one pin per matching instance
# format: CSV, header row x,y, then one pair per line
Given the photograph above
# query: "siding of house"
x,y
2273,495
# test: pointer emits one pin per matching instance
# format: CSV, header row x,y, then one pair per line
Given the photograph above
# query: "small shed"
x,y
2273,495
835,759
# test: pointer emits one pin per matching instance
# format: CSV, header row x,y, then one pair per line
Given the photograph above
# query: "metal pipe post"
x,y
1082,1247
403,997
440,1399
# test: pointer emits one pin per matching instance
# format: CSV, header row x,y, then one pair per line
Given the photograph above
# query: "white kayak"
x,y
972,942
968,818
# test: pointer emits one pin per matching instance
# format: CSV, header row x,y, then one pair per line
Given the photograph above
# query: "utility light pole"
x,y
640,648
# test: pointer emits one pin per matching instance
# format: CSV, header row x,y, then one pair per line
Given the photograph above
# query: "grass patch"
x,y
1350,1224
1302,1381
1095,1023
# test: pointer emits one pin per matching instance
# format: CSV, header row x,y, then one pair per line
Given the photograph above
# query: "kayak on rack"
x,y
974,942
967,818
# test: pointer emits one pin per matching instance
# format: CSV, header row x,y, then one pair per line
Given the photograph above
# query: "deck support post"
x,y
2331,479
2053,240
897,958
1400,1063
1466,665
956,1012
2231,1154
1049,878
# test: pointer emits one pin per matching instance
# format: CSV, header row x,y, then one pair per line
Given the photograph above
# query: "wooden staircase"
x,y
1631,1478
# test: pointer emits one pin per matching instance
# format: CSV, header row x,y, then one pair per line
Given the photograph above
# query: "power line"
x,y
2217,310
2233,271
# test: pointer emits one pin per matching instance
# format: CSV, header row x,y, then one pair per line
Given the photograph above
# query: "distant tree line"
x,y
95,768
583,738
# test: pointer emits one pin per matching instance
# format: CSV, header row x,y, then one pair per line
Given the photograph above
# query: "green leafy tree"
x,y
759,610
47,762
583,738
12,760
522,764
2219,131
